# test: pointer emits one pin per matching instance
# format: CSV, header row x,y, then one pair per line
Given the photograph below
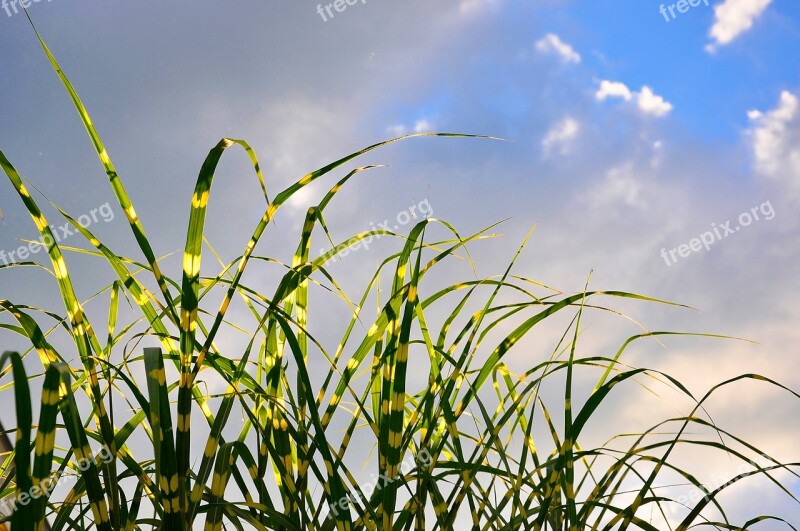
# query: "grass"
x,y
459,441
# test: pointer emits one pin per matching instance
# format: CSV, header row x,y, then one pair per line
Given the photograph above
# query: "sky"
x,y
637,143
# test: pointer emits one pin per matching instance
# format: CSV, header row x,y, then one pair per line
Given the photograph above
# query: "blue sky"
x,y
627,136
708,90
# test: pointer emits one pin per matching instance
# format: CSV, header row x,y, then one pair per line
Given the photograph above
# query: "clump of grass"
x,y
457,437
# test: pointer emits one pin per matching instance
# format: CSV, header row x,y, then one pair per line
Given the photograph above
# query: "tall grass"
x,y
460,441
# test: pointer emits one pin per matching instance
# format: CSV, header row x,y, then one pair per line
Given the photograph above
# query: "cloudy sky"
x,y
656,145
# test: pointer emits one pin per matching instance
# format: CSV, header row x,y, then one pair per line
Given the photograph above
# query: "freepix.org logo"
x,y
60,233
336,7
46,486
12,7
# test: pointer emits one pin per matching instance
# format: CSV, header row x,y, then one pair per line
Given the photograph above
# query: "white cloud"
x,y
551,43
396,130
423,126
468,7
650,103
776,140
647,101
622,186
307,123
560,136
732,18
613,89
420,126
657,157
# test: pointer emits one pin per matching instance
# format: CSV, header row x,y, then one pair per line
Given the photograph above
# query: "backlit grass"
x,y
418,376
